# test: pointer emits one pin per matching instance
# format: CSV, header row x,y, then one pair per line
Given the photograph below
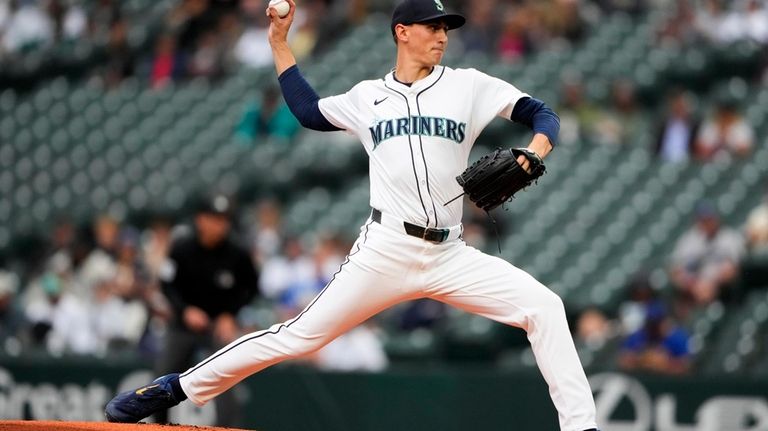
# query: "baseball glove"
x,y
496,177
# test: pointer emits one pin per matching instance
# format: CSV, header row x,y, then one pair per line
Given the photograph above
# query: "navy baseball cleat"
x,y
133,406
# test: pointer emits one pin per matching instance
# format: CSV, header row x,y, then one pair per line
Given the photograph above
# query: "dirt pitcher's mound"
x,y
98,426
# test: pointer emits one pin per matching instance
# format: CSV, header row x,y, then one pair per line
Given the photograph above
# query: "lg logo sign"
x,y
720,413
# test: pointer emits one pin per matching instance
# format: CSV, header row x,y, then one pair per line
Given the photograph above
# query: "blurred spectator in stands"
x,y
252,49
593,328
11,316
562,18
102,15
56,11
5,14
679,29
356,11
100,264
578,116
206,60
660,346
290,279
59,319
266,235
266,118
69,21
640,292
322,264
71,317
205,33
28,27
63,238
127,294
705,261
678,129
307,22
725,133
623,121
207,279
359,349
756,21
724,22
120,61
155,245
481,30
294,278
716,24
754,267
756,229
74,22
165,66
339,17
38,300
116,323
539,30
188,21
513,43
228,31
421,313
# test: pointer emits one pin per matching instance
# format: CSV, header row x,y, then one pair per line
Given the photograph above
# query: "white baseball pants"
x,y
386,267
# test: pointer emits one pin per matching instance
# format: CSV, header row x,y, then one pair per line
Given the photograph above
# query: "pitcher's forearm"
x,y
283,56
278,37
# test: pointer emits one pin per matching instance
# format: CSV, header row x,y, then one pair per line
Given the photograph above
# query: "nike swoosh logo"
x,y
376,102
145,389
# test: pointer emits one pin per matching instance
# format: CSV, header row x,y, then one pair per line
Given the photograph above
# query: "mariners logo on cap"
x,y
439,5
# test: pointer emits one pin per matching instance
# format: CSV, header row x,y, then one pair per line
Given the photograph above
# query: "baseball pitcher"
x,y
417,124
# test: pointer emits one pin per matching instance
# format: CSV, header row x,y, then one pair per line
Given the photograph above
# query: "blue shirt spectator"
x,y
660,346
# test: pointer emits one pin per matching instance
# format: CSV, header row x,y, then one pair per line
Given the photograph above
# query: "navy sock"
x,y
178,393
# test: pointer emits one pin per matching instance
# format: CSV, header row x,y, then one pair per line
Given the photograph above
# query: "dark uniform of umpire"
x,y
207,278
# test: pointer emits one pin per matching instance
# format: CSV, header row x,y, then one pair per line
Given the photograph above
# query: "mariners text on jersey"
x,y
418,126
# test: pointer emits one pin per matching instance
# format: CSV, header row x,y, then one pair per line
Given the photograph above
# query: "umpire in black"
x,y
207,278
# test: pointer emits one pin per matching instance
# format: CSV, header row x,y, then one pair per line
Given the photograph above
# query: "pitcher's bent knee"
x,y
547,298
548,304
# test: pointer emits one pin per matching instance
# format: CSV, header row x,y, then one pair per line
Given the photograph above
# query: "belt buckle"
x,y
442,232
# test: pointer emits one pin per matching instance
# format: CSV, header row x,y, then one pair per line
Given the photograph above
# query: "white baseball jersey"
x,y
419,137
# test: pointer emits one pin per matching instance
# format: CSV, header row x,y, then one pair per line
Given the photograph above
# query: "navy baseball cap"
x,y
420,11
216,205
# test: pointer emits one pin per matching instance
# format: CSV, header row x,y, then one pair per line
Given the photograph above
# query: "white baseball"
x,y
281,6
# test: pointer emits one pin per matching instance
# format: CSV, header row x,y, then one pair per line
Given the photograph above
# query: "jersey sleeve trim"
x,y
538,116
303,101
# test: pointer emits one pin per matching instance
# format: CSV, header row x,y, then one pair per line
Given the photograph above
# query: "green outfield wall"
x,y
292,398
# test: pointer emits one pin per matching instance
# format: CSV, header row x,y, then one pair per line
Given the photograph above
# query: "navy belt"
x,y
425,233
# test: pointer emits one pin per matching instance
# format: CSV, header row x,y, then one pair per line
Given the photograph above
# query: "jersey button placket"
x,y
420,170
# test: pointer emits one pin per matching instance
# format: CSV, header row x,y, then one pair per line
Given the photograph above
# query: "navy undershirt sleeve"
x,y
538,116
303,101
